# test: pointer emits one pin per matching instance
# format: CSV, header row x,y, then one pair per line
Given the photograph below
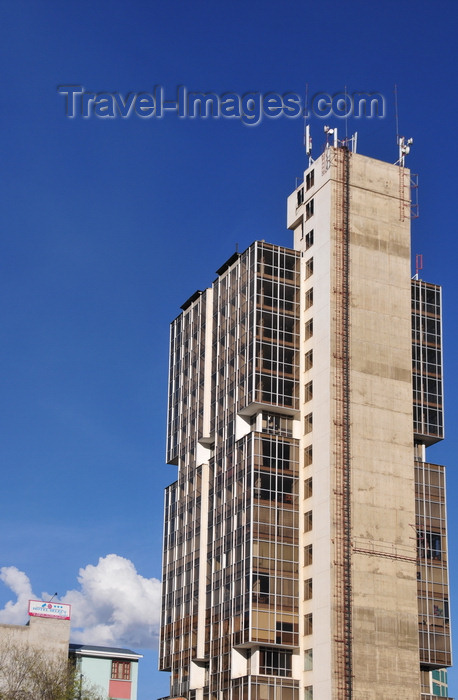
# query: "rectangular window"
x,y
309,209
308,455
440,608
309,329
285,633
308,520
310,179
300,197
308,589
275,662
308,268
120,670
308,298
308,392
308,488
308,423
308,555
308,692
308,624
308,360
429,545
308,239
276,424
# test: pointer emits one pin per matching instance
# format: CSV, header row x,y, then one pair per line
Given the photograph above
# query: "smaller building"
x,y
47,629
434,684
113,671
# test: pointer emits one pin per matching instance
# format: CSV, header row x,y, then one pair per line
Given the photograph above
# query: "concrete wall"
x,y
385,628
45,633
385,655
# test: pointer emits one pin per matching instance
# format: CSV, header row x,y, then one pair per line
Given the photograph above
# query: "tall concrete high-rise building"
x,y
305,549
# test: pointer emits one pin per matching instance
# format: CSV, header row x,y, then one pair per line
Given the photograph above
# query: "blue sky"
x,y
108,225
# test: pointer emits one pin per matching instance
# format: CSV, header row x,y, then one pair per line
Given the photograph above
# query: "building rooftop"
x,y
90,650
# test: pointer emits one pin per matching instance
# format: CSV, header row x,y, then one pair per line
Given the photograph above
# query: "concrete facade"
x,y
46,634
383,572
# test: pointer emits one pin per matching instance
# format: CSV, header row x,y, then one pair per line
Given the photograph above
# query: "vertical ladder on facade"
x,y
402,199
342,492
408,205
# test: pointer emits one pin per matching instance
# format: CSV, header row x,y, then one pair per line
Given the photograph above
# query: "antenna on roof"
x,y
403,143
307,137
404,149
53,596
331,132
308,144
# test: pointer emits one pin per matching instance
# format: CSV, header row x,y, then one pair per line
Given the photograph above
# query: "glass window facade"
x,y
427,362
432,576
249,508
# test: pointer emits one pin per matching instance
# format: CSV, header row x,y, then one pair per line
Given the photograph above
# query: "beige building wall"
x,y
320,254
383,548
385,609
48,635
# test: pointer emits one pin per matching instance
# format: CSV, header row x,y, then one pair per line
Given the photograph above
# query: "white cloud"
x,y
114,606
19,583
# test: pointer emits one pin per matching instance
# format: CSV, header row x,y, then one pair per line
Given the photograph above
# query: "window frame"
x,y
121,670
